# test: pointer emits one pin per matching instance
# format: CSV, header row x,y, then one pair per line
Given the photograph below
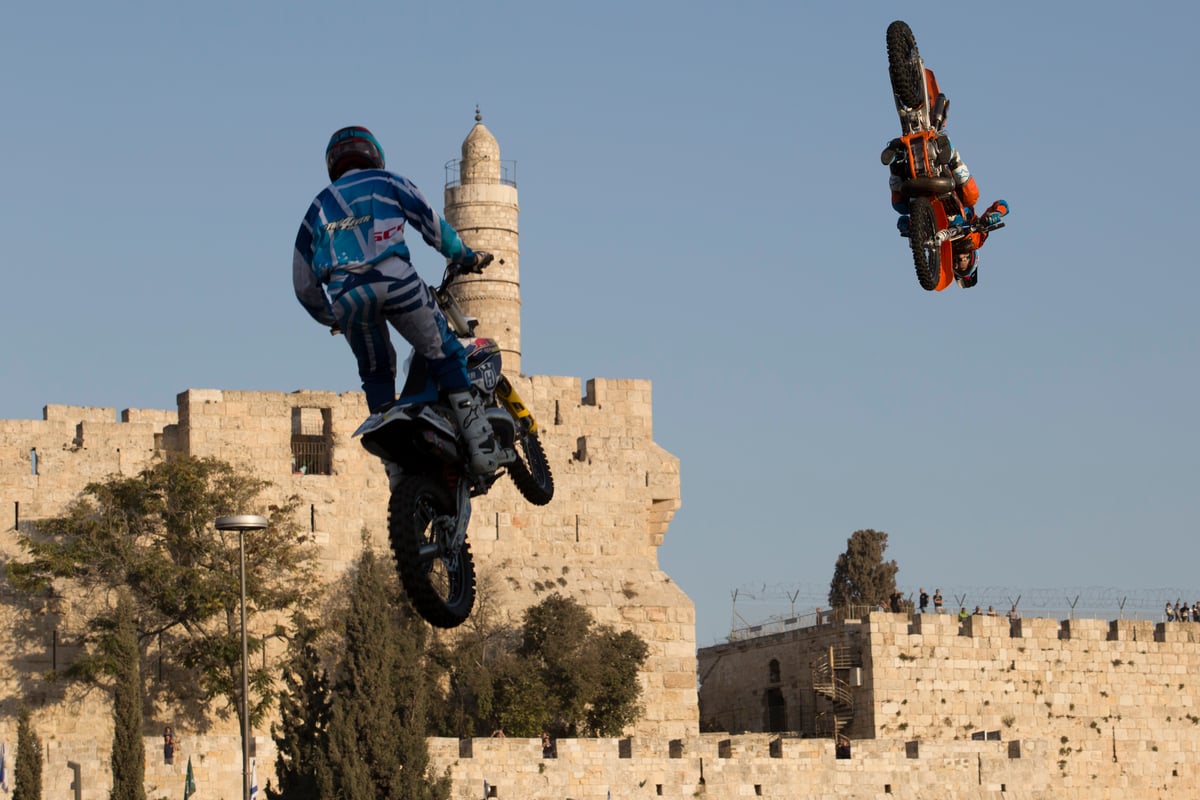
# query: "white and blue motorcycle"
x,y
428,468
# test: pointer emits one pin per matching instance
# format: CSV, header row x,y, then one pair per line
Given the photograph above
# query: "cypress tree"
x,y
304,718
378,717
28,771
861,576
128,747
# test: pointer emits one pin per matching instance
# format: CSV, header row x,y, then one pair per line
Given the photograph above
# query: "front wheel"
x,y
438,578
922,226
904,65
531,472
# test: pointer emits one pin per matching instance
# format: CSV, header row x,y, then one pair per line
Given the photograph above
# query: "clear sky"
x,y
702,205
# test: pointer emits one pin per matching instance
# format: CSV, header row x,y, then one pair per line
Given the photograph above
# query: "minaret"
x,y
481,204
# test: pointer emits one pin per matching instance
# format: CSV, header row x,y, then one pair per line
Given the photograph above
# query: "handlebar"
x,y
455,270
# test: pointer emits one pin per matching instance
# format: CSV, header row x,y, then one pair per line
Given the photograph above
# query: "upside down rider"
x,y
966,250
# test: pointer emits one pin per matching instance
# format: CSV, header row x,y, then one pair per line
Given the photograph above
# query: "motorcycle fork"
x,y
512,403
463,518
945,249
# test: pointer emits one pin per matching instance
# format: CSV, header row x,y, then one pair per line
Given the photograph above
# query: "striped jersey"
x,y
358,221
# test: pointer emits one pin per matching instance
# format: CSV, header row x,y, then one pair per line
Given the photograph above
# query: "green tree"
x,y
560,673
300,734
613,704
590,671
28,769
120,650
861,576
154,533
376,745
471,657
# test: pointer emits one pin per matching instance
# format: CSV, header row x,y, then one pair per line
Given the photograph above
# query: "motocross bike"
x,y
429,475
921,157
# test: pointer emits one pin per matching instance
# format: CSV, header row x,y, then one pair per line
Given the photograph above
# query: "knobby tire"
x,y
904,65
441,586
531,472
922,226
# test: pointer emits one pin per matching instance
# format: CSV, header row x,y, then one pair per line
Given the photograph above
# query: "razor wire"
x,y
759,609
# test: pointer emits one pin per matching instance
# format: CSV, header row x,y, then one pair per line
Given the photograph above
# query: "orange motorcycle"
x,y
921,156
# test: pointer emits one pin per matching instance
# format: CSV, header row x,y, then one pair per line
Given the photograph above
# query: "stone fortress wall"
x,y
616,491
1080,708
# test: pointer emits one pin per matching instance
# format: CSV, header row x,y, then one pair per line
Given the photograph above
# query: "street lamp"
x,y
242,523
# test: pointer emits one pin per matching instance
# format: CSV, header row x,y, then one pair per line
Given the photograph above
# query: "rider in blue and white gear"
x,y
352,272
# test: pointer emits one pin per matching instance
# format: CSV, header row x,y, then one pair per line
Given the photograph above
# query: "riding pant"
x,y
364,303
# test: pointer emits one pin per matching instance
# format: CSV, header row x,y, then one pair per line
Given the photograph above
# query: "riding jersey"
x,y
357,222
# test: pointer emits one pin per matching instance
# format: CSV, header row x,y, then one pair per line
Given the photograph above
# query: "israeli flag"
x,y
4,767
254,779
485,790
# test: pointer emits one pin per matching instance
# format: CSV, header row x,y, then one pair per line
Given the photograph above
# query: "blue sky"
x,y
702,205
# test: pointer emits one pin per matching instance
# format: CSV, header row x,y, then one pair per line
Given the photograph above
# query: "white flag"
x,y
3,766
254,779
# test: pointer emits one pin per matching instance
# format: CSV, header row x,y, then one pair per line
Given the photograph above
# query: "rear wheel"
x,y
531,472
439,579
904,64
922,226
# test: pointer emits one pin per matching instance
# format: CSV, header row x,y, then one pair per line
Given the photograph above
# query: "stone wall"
x,y
1113,702
726,767
597,541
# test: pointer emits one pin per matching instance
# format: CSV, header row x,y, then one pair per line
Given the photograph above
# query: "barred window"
x,y
312,441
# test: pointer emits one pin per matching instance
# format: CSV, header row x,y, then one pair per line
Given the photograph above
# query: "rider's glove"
x,y
476,263
995,212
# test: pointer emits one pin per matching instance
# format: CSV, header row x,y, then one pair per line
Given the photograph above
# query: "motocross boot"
x,y
476,431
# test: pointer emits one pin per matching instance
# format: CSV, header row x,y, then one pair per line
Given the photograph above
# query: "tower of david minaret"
x,y
481,204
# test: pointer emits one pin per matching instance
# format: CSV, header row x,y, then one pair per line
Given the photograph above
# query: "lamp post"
x,y
242,523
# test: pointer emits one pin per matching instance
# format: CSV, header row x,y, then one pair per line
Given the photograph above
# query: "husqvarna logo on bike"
x,y
346,224
484,376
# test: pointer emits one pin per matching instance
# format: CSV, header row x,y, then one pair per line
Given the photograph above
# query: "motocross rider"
x,y
352,272
966,259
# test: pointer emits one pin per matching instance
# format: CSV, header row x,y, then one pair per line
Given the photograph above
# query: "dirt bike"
x,y
921,156
429,475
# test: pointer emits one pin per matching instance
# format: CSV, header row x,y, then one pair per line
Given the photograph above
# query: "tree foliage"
x,y
362,735
154,533
119,648
303,717
27,772
559,673
861,576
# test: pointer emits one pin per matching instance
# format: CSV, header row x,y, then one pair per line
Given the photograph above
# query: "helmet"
x,y
352,148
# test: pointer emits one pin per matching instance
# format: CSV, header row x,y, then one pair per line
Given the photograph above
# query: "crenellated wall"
x,y
1113,702
597,541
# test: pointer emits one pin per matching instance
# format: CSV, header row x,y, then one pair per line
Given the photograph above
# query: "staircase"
x,y
829,681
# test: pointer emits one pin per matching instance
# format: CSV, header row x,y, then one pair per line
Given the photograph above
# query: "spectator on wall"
x,y
937,601
168,745
924,600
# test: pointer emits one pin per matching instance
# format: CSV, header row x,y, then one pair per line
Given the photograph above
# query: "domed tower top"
x,y
480,154
481,204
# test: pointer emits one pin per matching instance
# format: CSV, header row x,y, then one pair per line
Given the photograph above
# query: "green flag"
x,y
189,784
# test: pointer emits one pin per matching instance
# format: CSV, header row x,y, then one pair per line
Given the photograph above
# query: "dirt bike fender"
x,y
508,397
